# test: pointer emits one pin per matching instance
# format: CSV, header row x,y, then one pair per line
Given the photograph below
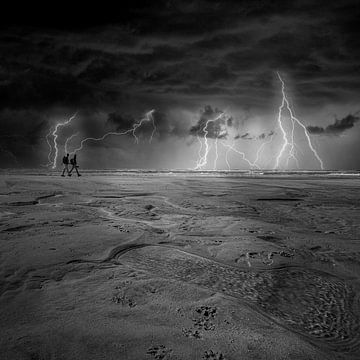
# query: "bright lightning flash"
x,y
261,149
242,154
202,161
147,118
50,148
289,140
55,134
226,157
288,149
68,140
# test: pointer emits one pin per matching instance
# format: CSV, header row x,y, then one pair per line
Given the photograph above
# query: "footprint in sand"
x,y
312,303
204,317
159,352
191,333
123,300
202,320
212,355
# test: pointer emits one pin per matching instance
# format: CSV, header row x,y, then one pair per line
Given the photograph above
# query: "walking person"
x,y
74,165
66,165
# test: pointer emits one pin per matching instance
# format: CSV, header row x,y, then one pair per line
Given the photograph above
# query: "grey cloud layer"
x,y
229,49
338,127
177,53
212,124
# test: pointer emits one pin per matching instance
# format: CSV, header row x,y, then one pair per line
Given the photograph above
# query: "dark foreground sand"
x,y
136,266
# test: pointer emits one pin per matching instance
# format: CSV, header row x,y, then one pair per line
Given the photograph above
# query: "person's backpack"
x,y
64,160
72,161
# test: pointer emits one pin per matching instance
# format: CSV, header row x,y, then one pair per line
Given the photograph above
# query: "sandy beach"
x,y
179,266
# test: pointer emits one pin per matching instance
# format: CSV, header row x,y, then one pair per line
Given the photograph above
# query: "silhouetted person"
x,y
74,165
66,165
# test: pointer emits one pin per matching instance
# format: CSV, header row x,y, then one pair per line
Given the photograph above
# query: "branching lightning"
x,y
147,118
202,161
55,135
242,154
200,147
226,157
261,149
290,143
287,152
216,153
153,124
68,140
50,148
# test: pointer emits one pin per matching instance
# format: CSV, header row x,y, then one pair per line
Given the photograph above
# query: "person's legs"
x,y
63,172
77,171
67,169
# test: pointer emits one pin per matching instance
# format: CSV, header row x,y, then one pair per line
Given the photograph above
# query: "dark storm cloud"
x,y
211,124
266,135
194,52
41,89
21,133
248,136
165,126
202,48
119,121
245,136
337,128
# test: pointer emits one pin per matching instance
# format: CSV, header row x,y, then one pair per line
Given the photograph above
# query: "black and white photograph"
x,y
180,180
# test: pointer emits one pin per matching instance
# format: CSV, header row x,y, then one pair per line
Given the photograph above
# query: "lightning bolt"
x,y
242,154
200,147
261,149
294,120
50,148
55,135
216,153
148,117
202,161
288,149
68,140
154,126
226,155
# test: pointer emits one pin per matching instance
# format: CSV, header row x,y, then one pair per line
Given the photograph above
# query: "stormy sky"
x,y
190,61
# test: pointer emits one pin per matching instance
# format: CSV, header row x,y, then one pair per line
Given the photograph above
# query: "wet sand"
x,y
179,266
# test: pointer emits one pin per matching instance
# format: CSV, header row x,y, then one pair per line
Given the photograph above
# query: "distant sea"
x,y
177,172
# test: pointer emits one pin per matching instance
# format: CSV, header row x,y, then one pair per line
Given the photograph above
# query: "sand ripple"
x,y
315,304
